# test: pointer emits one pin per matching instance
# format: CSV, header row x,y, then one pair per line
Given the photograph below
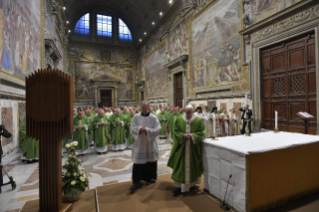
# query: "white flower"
x,y
81,173
70,156
75,174
79,160
82,179
75,143
66,163
76,153
67,146
73,183
68,174
63,173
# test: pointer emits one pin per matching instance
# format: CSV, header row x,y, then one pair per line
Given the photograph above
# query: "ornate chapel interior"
x,y
223,53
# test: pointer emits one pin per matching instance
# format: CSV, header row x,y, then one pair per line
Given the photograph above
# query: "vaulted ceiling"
x,y
138,14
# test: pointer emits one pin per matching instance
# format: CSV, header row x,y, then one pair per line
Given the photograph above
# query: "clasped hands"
x,y
187,136
143,129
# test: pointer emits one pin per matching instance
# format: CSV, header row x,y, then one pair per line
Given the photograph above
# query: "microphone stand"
x,y
223,205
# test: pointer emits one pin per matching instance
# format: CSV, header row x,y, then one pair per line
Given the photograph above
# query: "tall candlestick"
x,y
246,99
276,119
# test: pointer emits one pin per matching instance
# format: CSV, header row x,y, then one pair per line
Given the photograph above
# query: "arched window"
x,y
82,27
124,32
104,25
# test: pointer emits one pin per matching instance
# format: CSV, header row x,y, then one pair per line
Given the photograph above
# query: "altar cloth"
x,y
267,168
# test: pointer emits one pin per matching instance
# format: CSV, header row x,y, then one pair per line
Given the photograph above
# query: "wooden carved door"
x,y
178,89
106,98
288,84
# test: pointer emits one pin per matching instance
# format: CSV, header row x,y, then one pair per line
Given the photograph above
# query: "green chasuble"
x,y
161,117
125,116
101,132
171,122
28,146
81,135
187,151
128,126
118,132
91,128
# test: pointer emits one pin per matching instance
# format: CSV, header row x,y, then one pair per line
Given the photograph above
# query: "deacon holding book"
x,y
145,128
186,154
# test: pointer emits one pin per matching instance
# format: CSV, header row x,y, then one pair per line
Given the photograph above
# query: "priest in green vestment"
x,y
186,154
118,131
90,118
102,135
130,138
163,119
28,146
81,128
171,123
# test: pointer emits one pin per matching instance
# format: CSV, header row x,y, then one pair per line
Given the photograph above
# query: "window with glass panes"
x,y
104,25
124,32
82,27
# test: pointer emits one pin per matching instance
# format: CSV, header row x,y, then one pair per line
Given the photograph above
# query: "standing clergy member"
x,y
28,146
118,131
130,138
6,134
145,128
207,122
163,119
81,127
90,118
246,117
101,133
171,122
186,153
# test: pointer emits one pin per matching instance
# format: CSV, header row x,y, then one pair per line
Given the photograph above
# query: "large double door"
x,y
106,98
178,89
288,84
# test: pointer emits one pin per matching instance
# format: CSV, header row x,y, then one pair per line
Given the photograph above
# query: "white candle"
x,y
183,103
246,99
276,119
214,124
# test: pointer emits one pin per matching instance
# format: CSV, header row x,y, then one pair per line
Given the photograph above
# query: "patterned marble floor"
x,y
113,167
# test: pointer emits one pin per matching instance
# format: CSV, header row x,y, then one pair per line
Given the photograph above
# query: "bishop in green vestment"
x,y
186,154
130,138
118,131
81,128
28,146
101,132
163,119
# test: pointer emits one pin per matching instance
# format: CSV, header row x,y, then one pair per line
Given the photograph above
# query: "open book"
x,y
305,115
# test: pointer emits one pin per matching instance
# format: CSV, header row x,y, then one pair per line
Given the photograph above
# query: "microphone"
x,y
223,205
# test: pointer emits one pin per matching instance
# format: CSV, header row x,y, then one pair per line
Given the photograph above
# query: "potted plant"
x,y
74,180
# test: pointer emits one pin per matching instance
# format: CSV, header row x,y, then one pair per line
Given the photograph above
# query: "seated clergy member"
x,y
81,127
186,153
246,117
28,146
145,128
118,131
101,132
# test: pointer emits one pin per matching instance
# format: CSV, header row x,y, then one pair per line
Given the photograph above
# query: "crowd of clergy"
x,y
138,128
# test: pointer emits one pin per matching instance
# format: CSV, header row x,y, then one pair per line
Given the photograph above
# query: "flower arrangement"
x,y
74,179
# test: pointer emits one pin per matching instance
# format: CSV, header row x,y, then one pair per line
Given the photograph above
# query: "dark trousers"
x,y
145,172
244,127
1,177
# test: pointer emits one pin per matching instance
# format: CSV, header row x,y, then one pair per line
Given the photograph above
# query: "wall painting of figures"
x,y
215,43
156,79
262,9
85,72
177,42
20,40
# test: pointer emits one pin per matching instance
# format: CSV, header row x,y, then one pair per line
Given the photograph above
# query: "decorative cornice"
x,y
286,24
178,60
289,11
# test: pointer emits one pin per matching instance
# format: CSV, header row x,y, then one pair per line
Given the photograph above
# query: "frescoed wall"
x,y
20,37
262,9
87,64
177,42
215,44
156,79
49,21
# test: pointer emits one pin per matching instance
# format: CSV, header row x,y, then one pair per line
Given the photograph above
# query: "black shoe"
x,y
175,190
135,186
149,182
178,192
193,188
